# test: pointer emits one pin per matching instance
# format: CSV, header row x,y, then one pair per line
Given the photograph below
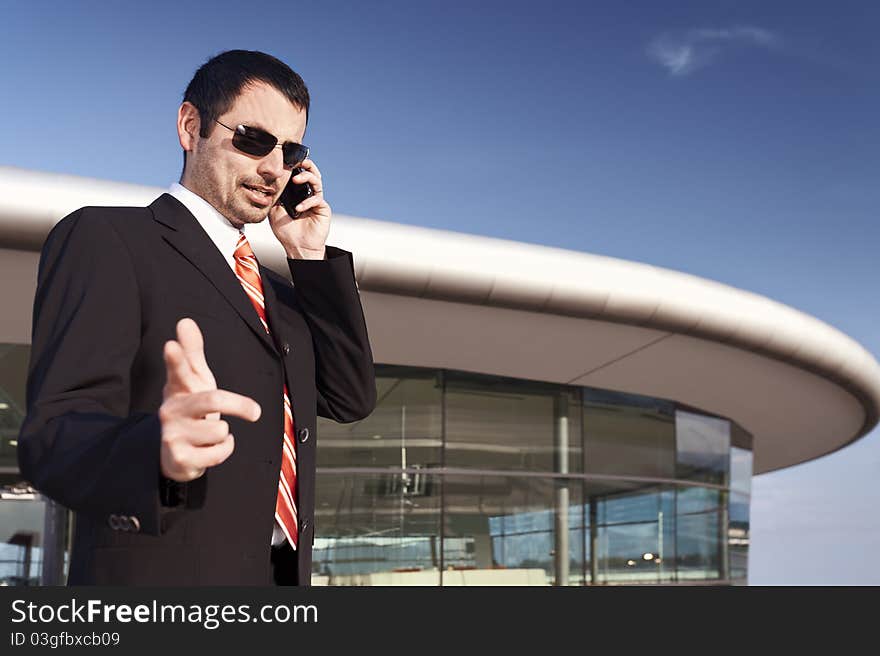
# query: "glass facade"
x,y
23,511
738,503
466,479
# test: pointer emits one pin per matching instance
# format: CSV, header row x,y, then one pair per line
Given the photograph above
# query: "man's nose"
x,y
272,165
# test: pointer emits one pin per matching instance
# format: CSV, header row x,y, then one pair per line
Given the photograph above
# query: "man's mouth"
x,y
260,196
266,191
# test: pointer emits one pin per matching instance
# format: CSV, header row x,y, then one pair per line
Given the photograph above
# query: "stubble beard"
x,y
240,212
233,205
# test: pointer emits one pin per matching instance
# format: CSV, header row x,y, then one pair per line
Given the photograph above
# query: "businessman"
x,y
174,381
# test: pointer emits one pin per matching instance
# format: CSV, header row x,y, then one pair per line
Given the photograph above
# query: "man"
x,y
152,323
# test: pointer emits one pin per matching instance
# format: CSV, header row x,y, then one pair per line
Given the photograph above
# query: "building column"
x,y
561,551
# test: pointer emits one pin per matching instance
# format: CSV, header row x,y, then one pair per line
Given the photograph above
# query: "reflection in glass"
x,y
693,499
512,425
627,434
635,535
702,448
741,470
667,531
738,537
14,360
628,508
22,509
698,548
376,529
502,530
404,430
629,553
21,536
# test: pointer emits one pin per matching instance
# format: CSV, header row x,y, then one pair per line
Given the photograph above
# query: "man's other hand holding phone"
x,y
305,236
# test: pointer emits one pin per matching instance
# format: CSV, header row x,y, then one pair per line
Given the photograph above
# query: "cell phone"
x,y
295,193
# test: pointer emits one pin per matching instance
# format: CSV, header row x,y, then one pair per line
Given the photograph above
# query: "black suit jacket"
x,y
112,284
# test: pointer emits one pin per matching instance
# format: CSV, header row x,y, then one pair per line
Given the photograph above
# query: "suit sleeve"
x,y
344,373
79,444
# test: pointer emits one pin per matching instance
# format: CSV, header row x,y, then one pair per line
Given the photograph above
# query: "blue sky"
x,y
733,140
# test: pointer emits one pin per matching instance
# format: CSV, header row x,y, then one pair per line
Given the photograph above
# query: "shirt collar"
x,y
220,230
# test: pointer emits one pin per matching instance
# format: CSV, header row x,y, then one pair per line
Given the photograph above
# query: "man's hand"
x,y
305,236
193,435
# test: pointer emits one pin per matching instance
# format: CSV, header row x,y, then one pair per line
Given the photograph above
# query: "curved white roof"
x,y
439,298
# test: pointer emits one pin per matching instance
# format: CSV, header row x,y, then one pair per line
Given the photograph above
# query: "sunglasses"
x,y
255,141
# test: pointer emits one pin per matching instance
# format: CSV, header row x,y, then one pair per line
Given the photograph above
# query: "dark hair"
x,y
220,80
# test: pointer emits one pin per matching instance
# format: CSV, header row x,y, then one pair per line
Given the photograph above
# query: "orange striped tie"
x,y
248,273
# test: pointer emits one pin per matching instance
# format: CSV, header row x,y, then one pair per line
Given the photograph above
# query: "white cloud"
x,y
756,35
683,53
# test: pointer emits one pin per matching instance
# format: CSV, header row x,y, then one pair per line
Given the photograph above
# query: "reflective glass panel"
x,y
504,530
698,547
692,499
702,448
738,537
404,430
633,532
13,378
21,537
503,424
626,434
741,470
376,529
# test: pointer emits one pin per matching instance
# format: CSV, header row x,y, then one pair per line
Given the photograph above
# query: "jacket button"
x,y
303,434
285,348
134,524
305,526
114,522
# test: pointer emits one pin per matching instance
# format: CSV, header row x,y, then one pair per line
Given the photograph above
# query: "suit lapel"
x,y
271,302
274,319
188,238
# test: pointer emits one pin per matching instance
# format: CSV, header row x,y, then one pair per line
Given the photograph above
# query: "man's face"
x,y
243,187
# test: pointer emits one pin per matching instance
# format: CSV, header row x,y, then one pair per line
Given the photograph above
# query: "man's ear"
x,y
188,125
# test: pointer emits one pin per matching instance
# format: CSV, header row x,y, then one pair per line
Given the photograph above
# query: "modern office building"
x,y
544,417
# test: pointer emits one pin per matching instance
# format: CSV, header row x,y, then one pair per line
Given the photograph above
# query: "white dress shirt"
x,y
225,238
